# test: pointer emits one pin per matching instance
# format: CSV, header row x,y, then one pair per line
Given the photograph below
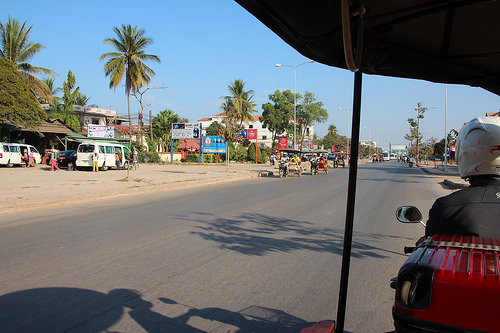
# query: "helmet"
x,y
478,147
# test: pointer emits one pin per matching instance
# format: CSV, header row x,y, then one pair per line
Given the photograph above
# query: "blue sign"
x,y
214,144
243,133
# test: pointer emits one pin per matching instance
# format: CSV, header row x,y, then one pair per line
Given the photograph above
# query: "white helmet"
x,y
478,147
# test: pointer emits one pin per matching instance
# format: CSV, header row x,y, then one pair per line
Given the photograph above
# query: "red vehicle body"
x,y
450,284
323,165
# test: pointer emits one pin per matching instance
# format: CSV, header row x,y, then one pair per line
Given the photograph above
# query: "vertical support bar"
x,y
445,129
201,143
351,200
171,144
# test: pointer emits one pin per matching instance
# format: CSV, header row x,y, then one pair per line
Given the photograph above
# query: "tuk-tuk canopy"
x,y
449,41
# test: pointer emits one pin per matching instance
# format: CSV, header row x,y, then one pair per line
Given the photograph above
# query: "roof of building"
x,y
189,144
49,126
493,114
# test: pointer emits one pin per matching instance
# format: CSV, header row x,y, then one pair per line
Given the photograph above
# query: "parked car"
x,y
29,149
10,154
65,158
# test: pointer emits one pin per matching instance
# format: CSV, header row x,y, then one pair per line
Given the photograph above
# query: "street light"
x,y
347,135
295,96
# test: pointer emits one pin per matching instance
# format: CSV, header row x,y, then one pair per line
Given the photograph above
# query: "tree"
x,y
18,50
81,99
66,112
128,60
213,129
332,138
414,135
237,107
242,106
49,81
17,104
310,112
276,115
162,125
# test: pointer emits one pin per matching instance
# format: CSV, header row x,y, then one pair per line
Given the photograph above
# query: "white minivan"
x,y
30,149
10,154
107,155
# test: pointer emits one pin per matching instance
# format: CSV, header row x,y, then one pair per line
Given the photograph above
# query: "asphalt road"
x,y
261,255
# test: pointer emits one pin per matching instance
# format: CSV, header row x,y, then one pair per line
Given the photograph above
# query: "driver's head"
x,y
478,148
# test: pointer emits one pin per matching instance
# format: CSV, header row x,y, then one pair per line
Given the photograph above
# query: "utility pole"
x,y
141,111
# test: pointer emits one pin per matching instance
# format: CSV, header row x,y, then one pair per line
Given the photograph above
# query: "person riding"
x,y
314,161
473,211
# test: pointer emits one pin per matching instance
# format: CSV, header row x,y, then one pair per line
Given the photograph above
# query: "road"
x,y
259,255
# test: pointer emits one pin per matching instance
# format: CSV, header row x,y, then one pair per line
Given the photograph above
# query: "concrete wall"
x,y
165,157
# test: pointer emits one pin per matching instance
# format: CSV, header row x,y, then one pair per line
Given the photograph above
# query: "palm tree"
x,y
81,99
53,91
16,48
242,106
128,59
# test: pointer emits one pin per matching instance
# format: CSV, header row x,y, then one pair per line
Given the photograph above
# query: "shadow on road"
x,y
259,234
74,309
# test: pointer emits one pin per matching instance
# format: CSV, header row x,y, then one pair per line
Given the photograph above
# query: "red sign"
x,y
282,142
251,134
452,148
333,149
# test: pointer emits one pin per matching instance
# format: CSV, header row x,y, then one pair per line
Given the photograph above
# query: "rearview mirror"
x,y
408,214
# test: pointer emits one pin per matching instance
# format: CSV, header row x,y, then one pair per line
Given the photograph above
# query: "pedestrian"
x,y
95,161
118,160
31,159
134,159
25,158
53,161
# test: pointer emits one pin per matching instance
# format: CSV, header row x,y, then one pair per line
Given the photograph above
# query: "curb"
x,y
454,185
438,173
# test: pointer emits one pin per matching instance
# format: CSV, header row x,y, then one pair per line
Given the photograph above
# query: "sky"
x,y
205,45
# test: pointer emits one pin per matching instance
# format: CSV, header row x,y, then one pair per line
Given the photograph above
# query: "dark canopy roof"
x,y
454,41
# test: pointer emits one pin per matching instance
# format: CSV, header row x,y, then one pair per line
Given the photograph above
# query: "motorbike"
x,y
314,167
448,284
283,169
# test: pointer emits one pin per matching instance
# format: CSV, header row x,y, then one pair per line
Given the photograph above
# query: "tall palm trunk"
x,y
129,131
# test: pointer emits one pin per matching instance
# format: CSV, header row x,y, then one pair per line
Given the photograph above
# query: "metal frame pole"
x,y
445,129
351,200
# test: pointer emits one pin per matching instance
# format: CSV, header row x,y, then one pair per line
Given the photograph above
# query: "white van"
x,y
31,149
10,154
106,152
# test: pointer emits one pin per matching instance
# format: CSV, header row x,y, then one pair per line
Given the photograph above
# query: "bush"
x,y
240,154
192,158
148,158
209,158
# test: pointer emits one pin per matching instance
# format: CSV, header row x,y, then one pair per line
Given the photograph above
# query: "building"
x,y
98,116
264,135
95,115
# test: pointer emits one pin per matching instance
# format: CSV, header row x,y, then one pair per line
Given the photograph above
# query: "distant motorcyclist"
x,y
314,162
473,211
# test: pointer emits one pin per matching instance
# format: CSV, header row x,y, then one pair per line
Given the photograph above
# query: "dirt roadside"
x,y
37,188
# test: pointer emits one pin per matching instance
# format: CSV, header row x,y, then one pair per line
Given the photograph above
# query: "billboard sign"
x,y
214,144
186,131
100,131
250,133
282,142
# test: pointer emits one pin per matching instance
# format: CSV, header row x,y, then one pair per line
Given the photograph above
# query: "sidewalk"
x,y
452,179
39,188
